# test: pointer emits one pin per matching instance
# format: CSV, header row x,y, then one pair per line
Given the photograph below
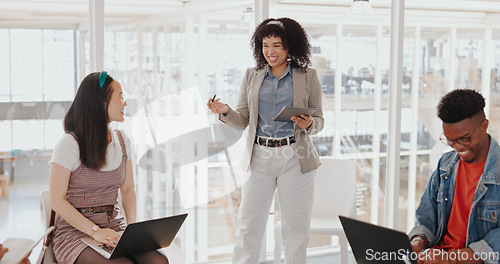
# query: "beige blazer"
x,y
306,93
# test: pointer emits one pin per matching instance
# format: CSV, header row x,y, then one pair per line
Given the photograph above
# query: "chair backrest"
x,y
46,208
49,257
335,189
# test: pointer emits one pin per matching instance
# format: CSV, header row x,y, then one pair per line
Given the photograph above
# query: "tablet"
x,y
287,112
19,248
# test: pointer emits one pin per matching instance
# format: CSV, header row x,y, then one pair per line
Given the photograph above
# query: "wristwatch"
x,y
94,228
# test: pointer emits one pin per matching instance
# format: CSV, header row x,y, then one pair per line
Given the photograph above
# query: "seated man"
x,y
458,214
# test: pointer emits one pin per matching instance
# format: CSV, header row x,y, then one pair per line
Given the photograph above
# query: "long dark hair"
x,y
87,120
292,35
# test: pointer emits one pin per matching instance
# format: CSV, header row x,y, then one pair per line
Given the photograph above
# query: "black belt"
x,y
272,143
108,209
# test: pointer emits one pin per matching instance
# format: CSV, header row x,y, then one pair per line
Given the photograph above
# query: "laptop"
x,y
141,237
375,244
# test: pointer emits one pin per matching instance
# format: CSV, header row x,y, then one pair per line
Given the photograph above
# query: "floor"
x,y
21,216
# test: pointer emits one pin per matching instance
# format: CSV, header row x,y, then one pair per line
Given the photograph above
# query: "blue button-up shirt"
x,y
274,94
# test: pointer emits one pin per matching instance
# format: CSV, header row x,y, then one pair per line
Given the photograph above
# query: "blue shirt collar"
x,y
287,71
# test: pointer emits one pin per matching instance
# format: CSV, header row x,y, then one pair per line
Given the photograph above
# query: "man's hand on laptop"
x,y
106,236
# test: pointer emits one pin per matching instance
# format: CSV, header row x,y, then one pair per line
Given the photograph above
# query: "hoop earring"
x,y
289,60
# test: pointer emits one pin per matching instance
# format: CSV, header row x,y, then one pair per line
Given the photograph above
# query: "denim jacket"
x,y
433,213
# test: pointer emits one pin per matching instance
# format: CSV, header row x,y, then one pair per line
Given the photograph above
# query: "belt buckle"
x,y
91,210
267,141
280,142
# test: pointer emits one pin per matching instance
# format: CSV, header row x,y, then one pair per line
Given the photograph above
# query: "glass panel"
x,y
147,45
323,60
58,65
357,63
27,135
356,128
408,57
120,53
425,140
365,192
6,132
26,64
324,48
407,111
381,187
494,116
429,85
424,171
403,192
192,167
470,46
436,46
4,65
53,132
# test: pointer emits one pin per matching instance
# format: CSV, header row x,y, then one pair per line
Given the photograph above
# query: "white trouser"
x,y
271,168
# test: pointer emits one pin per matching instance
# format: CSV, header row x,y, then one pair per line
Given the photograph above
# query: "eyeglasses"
x,y
123,97
463,141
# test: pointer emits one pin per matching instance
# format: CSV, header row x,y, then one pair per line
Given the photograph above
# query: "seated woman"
x,y
90,164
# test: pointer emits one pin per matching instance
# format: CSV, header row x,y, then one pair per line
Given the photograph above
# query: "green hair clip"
x,y
102,78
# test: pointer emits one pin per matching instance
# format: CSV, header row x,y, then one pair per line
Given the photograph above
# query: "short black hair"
x,y
293,36
460,104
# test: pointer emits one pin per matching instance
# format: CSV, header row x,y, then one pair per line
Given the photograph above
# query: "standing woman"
x,y
278,154
90,164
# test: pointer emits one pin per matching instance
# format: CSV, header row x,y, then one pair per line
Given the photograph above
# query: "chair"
x,y
4,187
334,195
46,210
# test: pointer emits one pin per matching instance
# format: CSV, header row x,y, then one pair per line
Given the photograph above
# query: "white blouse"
x,y
67,153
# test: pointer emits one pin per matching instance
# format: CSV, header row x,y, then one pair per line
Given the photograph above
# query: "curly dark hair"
x,y
292,35
460,104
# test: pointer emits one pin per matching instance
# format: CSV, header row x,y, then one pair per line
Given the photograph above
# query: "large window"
x,y
185,160
37,68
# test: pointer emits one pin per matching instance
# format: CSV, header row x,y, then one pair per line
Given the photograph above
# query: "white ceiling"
x,y
73,13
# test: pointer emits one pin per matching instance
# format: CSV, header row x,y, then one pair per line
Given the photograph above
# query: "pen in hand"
x,y
219,107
